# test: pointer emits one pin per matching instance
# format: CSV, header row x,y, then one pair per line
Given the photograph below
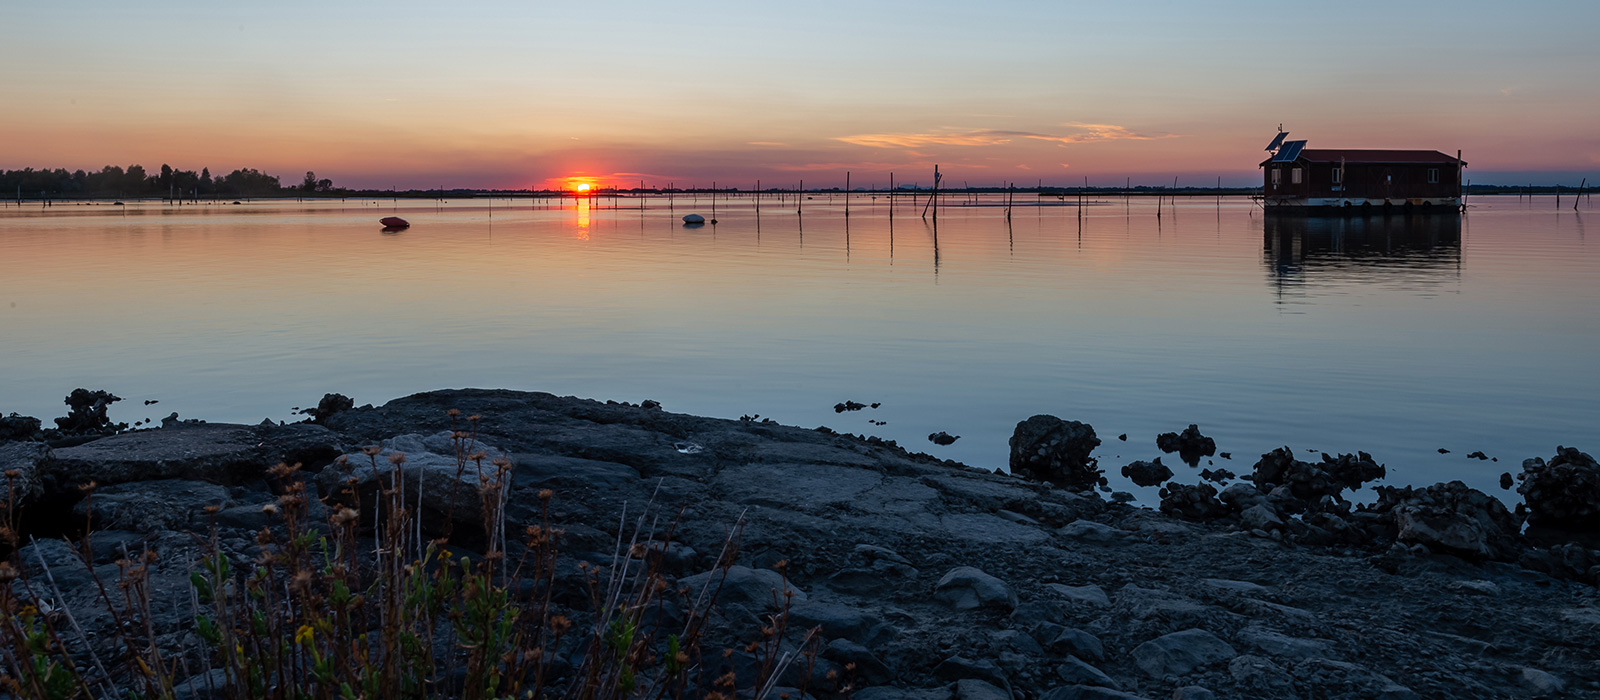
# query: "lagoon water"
x,y
1394,335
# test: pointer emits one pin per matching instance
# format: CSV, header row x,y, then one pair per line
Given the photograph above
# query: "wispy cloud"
x,y
766,143
1077,133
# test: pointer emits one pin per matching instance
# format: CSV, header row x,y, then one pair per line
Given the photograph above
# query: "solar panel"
x,y
1277,140
1290,151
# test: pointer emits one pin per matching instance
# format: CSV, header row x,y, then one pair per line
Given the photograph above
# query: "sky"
x,y
518,94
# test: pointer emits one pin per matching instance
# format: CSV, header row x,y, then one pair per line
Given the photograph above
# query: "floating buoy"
x,y
394,222
694,219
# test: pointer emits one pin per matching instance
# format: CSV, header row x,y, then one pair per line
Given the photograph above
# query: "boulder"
x,y
1308,483
974,689
19,427
1193,692
1147,473
841,622
1260,675
966,588
1453,518
1047,448
1089,594
1087,692
1276,644
760,588
1563,493
1197,502
1071,640
87,414
448,488
1190,445
1180,653
956,668
869,667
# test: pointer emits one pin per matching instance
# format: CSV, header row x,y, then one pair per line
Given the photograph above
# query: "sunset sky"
x,y
518,94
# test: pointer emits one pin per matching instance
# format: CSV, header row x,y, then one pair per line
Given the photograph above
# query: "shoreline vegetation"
x,y
491,543
135,183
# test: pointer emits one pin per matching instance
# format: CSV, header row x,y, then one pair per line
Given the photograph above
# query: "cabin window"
x,y
1294,176
1277,176
1338,175
1433,176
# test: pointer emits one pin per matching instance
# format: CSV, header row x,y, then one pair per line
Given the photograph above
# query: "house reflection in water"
x,y
1311,255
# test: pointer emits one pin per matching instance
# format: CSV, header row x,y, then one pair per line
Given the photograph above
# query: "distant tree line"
x,y
135,181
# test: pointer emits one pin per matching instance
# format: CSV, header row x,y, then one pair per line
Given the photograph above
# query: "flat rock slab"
x,y
218,453
1181,653
1090,594
795,486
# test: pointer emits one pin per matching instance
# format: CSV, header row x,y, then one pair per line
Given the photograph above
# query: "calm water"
x,y
1396,336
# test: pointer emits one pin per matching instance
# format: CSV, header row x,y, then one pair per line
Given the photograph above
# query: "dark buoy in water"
x,y
394,222
694,219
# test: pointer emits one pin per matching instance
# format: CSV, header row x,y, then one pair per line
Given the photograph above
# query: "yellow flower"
x,y
303,635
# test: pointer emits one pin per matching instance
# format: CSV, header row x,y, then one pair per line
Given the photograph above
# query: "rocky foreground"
x,y
929,580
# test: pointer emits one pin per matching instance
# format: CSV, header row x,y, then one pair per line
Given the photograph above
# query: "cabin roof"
x,y
1371,155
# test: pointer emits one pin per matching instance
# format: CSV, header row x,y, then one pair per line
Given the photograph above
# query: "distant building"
x,y
1349,180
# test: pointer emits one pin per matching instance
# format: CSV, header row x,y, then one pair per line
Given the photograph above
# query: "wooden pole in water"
x,y
846,193
800,198
1581,185
934,196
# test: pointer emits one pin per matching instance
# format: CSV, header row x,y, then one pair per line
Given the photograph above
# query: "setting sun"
x,y
583,187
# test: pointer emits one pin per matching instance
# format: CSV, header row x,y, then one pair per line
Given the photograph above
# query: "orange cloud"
x,y
1083,133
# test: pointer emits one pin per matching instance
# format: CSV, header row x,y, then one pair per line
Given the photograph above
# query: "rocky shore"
x,y
928,579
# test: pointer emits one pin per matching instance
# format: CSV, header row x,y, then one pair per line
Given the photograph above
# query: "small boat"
x,y
394,222
694,219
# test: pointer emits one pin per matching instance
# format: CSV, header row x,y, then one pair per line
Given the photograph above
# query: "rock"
x,y
1197,502
1190,445
869,667
974,689
1478,455
966,588
693,219
1087,692
88,413
841,622
1260,517
956,668
1243,587
1477,587
1015,640
1541,682
1505,481
218,453
762,588
1180,653
1193,692
19,427
1276,644
1453,518
1077,642
1091,531
1147,473
1241,496
848,406
1259,674
1563,493
942,438
1090,594
448,489
330,405
1308,483
1046,448
1217,475
20,465
152,506
1076,672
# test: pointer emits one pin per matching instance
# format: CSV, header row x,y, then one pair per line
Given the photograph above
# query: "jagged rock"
x,y
1147,473
1453,518
943,438
1241,495
1047,448
1180,653
1197,502
1563,493
1309,483
1540,682
1190,445
88,413
448,486
152,506
330,405
1217,475
1193,692
1260,517
1070,640
966,588
19,427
